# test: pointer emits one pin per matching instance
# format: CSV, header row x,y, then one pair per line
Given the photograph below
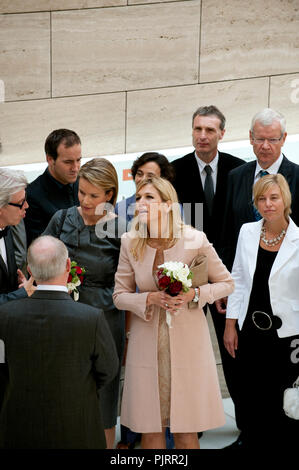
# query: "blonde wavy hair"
x,y
139,232
264,183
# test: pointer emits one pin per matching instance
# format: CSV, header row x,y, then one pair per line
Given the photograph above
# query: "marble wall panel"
x,y
99,120
158,119
19,6
284,97
146,2
128,48
256,39
25,55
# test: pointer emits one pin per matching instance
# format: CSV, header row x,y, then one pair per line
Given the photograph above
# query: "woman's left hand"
x,y
174,304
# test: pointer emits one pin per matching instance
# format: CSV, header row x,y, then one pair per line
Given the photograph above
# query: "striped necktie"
x,y
256,213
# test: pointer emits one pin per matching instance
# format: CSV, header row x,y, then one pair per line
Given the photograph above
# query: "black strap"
x,y
63,216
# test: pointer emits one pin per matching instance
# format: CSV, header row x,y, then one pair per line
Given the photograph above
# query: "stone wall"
x,y
127,75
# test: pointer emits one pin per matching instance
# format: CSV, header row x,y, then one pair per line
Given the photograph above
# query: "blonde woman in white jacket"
x,y
262,318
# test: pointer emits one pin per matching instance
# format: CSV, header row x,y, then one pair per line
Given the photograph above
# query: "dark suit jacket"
x,y
8,291
45,196
8,275
59,353
189,189
239,208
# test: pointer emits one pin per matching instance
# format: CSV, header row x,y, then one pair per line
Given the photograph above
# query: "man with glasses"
x,y
13,284
13,206
267,136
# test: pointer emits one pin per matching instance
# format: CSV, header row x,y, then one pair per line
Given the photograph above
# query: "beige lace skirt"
x,y
164,370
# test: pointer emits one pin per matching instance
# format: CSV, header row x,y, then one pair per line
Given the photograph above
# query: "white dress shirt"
x,y
214,167
272,170
51,287
3,250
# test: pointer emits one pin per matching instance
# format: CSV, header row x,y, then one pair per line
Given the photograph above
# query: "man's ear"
x,y
68,265
50,160
29,270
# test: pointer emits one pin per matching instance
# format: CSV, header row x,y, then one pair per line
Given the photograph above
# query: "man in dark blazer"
x,y
57,187
267,137
13,206
60,352
208,128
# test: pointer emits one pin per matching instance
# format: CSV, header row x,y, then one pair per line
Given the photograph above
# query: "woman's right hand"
x,y
230,337
163,300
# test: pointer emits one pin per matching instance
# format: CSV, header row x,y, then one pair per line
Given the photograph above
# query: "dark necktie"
x,y
3,232
209,189
257,215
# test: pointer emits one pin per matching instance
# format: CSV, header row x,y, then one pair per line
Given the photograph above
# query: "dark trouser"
x,y
266,371
229,364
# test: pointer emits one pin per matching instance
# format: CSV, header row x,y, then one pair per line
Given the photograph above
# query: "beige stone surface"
x,y
17,6
25,55
147,2
248,40
118,49
99,121
158,119
284,97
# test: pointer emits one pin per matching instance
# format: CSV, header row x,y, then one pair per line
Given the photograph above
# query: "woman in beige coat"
x,y
171,378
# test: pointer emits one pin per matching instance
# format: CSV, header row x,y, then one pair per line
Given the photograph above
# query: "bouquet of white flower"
x,y
174,277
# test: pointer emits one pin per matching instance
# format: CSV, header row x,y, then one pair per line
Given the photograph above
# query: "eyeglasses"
x,y
270,141
20,206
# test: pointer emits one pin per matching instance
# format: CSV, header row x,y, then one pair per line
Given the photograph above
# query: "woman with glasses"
x,y
262,318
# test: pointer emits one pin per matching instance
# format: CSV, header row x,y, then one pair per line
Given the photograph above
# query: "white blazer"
x,y
283,279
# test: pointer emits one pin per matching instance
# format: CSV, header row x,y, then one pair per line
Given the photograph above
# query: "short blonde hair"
x,y
101,173
264,183
175,223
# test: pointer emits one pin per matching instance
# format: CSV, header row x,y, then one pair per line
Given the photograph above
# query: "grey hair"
x,y
210,110
266,118
11,182
47,257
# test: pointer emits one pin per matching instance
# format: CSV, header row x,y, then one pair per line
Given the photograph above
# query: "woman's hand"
x,y
169,303
230,337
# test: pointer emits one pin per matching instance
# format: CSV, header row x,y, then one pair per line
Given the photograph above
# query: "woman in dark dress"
x,y
92,234
266,305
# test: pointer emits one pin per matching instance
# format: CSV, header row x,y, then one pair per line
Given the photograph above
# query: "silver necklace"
x,y
273,241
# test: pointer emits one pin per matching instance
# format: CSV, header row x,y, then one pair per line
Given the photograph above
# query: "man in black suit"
x,y
60,352
206,188
13,205
57,187
267,136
